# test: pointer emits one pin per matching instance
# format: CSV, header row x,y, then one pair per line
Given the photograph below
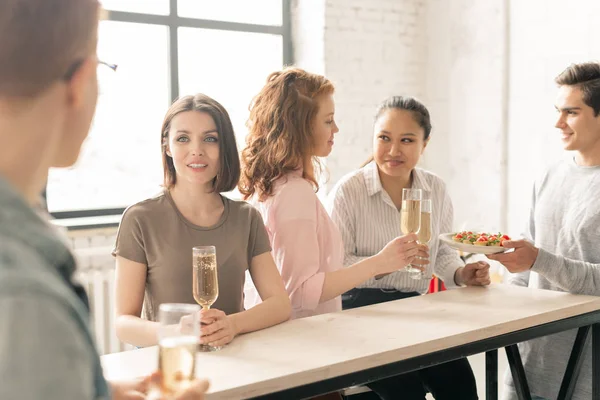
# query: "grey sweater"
x,y
564,223
47,348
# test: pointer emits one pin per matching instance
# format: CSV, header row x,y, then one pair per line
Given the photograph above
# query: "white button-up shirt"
x,y
368,220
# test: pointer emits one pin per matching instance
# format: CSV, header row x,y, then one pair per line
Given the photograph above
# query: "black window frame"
x,y
173,21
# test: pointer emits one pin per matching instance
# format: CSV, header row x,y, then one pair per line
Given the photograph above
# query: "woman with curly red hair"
x,y
291,124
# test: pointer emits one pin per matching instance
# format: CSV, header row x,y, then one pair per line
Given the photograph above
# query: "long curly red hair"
x,y
280,136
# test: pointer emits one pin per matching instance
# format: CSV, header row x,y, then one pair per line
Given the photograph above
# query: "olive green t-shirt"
x,y
153,232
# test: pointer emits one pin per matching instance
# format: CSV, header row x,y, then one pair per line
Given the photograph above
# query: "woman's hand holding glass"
x,y
178,337
421,260
400,252
218,329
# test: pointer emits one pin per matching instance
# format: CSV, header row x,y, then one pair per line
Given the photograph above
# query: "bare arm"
x,y
338,282
275,307
220,329
395,255
130,281
297,250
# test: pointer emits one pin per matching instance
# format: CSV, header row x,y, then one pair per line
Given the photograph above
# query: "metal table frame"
x,y
585,322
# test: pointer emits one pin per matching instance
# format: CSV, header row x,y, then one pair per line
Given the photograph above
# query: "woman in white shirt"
x,y
365,206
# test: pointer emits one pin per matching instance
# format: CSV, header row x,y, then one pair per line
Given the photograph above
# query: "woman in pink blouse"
x,y
291,124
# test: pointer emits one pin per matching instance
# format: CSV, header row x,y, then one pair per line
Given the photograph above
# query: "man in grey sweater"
x,y
48,93
561,250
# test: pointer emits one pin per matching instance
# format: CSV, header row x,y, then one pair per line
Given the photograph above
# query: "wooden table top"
x,y
312,349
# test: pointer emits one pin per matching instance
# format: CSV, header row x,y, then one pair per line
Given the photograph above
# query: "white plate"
x,y
470,248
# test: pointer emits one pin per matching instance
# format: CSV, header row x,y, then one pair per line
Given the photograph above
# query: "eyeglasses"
x,y
75,66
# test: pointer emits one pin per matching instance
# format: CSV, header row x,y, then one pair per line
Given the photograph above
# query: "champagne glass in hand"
x,y
178,338
205,278
410,216
424,235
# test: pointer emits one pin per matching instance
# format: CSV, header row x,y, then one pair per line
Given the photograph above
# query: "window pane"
x,y
231,67
159,7
259,12
120,162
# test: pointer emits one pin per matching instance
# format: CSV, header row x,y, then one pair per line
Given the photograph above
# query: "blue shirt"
x,y
47,349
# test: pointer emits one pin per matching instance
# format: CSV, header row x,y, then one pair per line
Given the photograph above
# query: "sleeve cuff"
x,y
544,262
312,290
449,279
142,260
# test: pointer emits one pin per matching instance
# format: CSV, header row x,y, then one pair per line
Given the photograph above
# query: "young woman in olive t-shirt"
x,y
154,244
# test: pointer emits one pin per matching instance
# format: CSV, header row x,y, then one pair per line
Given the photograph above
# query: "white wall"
x,y
371,50
308,33
466,95
484,69
546,36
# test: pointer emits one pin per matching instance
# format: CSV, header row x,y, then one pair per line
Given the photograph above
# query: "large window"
x,y
166,48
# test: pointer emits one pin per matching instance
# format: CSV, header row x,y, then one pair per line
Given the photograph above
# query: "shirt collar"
x,y
372,180
420,180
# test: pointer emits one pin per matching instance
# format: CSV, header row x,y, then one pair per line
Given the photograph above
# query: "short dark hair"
x,y
419,111
229,162
585,76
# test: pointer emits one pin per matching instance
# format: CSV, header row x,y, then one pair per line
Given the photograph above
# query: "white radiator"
x,y
96,272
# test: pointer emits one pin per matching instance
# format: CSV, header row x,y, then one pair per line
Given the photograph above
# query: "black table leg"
x,y
596,362
574,366
491,375
518,372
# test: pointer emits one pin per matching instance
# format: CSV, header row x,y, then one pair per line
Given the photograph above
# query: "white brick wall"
x,y
448,54
371,50
484,69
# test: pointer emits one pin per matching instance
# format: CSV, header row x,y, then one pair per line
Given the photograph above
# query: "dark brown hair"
x,y
228,174
418,110
585,76
42,40
280,130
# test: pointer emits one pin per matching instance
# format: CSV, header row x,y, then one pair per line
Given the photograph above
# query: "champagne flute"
x,y
205,278
424,233
178,336
410,215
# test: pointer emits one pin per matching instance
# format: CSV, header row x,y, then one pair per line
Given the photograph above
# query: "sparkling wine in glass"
x,y
424,233
410,215
178,337
205,278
